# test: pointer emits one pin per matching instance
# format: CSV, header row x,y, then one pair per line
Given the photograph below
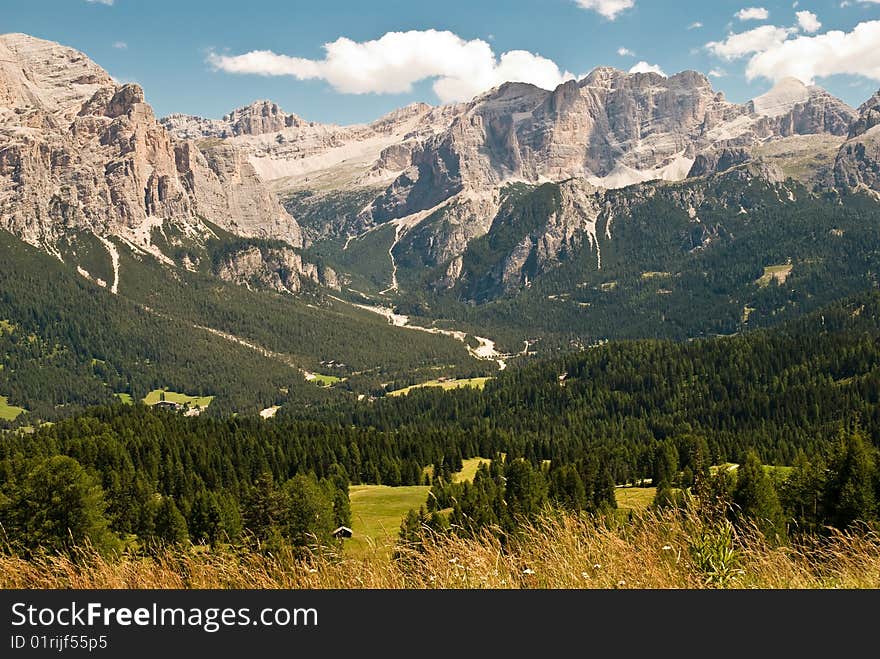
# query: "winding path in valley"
x,y
486,350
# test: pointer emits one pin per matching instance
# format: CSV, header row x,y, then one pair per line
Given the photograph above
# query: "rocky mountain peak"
x,y
602,76
782,98
259,118
39,76
869,116
79,152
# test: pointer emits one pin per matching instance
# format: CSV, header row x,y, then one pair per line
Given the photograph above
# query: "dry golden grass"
x,y
656,551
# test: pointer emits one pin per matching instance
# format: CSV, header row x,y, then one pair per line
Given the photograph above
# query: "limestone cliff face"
x,y
277,268
612,129
441,170
858,162
294,154
79,152
258,118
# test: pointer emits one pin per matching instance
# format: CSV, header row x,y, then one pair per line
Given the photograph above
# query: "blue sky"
x,y
198,56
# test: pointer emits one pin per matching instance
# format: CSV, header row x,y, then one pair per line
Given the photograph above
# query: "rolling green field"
x,y
476,383
376,513
9,412
125,398
155,396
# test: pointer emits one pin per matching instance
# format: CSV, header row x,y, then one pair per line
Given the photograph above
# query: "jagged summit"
x,y
81,152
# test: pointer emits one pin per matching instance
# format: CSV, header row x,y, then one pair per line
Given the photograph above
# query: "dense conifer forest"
x,y
563,432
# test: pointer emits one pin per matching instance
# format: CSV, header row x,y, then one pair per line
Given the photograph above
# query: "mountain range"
x,y
619,205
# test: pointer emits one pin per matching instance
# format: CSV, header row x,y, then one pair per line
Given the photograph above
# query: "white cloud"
x,y
695,26
101,2
644,67
717,73
753,14
746,43
397,60
809,22
608,8
822,55
625,52
120,45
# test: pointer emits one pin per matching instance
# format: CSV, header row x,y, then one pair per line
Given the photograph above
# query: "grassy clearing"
x,y
323,380
476,383
376,514
777,273
6,327
638,499
9,412
155,397
469,469
656,275
125,398
654,551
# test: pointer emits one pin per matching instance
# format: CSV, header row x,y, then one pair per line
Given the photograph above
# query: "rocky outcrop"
x,y
719,160
869,116
858,162
277,268
610,130
258,118
80,152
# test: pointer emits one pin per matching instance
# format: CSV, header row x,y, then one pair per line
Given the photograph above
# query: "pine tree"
x,y
170,525
58,506
756,498
849,494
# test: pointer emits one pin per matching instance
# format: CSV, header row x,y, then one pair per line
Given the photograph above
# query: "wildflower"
x,y
312,571
453,561
667,547
585,575
621,583
597,566
528,570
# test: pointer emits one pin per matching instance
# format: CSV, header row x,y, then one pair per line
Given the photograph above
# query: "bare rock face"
x,y
719,160
279,269
612,128
293,154
858,162
869,116
258,118
223,183
80,152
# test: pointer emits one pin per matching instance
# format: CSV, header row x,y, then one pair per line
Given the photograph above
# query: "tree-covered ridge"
x,y
779,391
678,261
70,343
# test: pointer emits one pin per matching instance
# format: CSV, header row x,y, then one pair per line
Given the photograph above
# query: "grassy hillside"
x,y
376,513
